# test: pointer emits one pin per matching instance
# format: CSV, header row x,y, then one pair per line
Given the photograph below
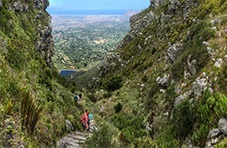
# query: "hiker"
x,y
89,120
84,120
78,98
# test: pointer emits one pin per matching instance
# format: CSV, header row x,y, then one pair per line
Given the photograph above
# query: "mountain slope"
x,y
168,75
34,104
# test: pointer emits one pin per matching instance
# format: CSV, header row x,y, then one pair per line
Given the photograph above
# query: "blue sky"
x,y
98,4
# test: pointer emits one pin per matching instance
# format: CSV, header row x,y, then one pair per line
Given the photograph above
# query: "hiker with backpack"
x,y
78,98
84,120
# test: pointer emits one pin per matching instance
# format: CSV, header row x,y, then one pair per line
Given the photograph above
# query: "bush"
x,y
132,127
167,139
118,107
92,97
183,119
107,95
114,84
30,112
101,138
199,137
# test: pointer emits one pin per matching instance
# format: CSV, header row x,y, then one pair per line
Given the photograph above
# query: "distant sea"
x,y
90,12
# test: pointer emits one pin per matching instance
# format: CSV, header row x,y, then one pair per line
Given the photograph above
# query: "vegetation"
x,y
131,107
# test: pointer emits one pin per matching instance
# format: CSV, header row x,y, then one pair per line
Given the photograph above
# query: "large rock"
x,y
222,125
199,86
191,65
174,52
68,125
164,81
213,133
180,98
18,7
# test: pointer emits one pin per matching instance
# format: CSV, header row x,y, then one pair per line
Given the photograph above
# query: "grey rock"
x,y
180,98
69,126
222,125
215,22
173,6
210,50
213,133
0,4
174,52
199,86
191,65
218,63
164,81
156,3
18,7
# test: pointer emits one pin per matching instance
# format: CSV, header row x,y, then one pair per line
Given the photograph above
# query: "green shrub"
x,y
114,83
132,127
167,139
30,112
101,138
144,78
183,119
118,107
107,95
92,97
199,136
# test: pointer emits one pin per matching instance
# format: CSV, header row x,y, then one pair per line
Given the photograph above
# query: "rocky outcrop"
x,y
36,12
156,3
217,134
45,43
164,81
174,52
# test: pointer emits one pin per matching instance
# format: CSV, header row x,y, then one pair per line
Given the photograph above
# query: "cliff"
x,y
34,104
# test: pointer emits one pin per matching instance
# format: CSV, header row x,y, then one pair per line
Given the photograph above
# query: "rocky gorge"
x,y
164,86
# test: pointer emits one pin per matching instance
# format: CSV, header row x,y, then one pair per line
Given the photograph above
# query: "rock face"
x,y
156,3
40,19
174,52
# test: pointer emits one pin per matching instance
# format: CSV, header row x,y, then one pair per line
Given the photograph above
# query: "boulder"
x,y
68,125
191,65
174,52
199,86
164,81
222,125
213,133
18,7
180,98
218,63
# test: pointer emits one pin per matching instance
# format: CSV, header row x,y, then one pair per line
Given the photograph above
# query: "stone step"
x,y
78,137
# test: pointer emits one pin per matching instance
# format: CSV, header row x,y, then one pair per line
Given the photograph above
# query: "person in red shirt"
x,y
84,120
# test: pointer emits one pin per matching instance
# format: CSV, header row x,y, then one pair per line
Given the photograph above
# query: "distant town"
x,y
81,41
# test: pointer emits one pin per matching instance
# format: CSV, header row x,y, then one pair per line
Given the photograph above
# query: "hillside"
x,y
34,103
166,83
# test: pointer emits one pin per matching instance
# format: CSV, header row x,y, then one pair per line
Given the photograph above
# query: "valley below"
x,y
81,41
